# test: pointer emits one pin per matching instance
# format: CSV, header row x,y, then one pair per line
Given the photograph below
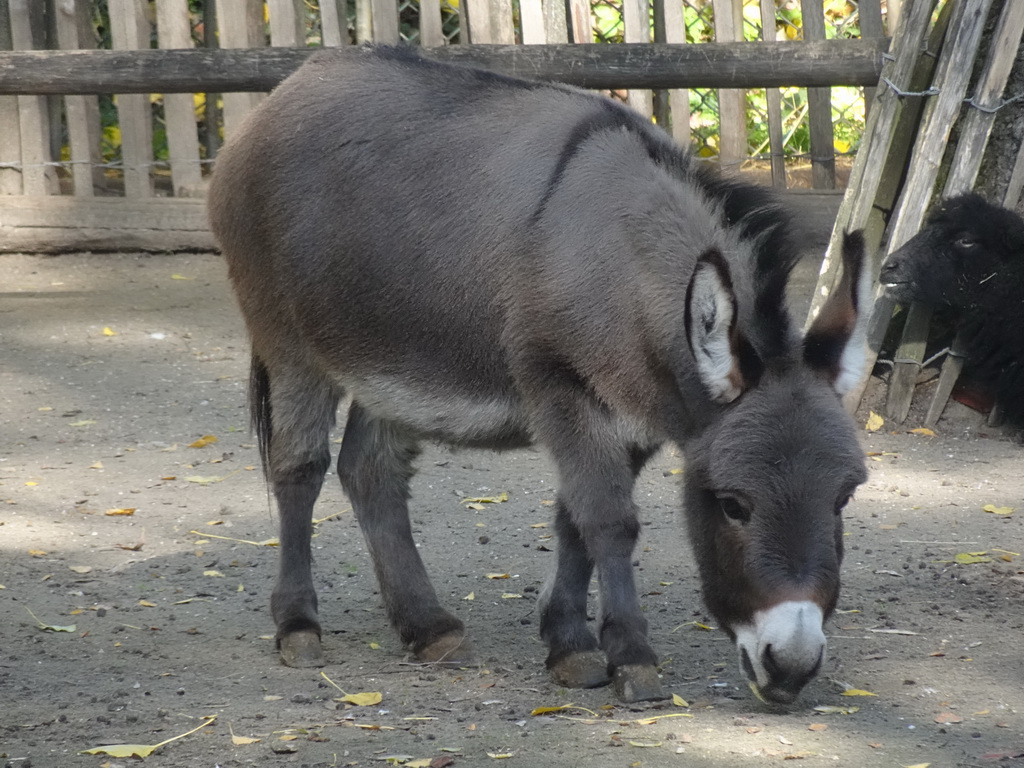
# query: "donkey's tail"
x,y
260,410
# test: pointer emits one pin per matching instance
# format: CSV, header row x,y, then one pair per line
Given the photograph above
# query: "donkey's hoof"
x,y
585,669
638,682
450,650
302,649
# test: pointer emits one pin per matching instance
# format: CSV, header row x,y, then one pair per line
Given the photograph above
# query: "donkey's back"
x,y
375,213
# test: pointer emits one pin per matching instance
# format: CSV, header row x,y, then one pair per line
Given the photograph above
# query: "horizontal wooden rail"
x,y
642,65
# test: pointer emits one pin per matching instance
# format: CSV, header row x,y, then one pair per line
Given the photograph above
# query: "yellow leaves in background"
x,y
923,431
203,441
857,692
874,422
108,331
121,512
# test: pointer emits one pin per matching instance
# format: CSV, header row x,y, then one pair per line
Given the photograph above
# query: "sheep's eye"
x,y
966,242
733,509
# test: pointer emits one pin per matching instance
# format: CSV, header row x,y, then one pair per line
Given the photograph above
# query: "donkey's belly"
x,y
491,419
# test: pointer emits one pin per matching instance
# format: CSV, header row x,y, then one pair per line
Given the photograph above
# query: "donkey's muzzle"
x,y
783,650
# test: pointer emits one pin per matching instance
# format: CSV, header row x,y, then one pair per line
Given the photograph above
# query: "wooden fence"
x,y
60,190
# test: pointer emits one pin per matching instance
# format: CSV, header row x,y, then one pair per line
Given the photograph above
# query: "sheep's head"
x,y
967,249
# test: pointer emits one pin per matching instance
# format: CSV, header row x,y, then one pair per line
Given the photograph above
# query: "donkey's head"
x,y
766,483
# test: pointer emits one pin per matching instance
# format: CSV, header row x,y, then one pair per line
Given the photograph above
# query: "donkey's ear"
x,y
711,327
834,343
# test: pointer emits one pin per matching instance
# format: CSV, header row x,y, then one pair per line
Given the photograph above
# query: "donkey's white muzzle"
x,y
782,650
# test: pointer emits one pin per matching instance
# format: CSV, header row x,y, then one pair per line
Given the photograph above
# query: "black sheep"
x,y
970,257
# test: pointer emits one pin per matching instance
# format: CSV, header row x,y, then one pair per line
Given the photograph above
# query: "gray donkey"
x,y
492,262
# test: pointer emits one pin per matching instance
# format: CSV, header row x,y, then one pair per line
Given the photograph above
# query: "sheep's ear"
x,y
711,327
834,343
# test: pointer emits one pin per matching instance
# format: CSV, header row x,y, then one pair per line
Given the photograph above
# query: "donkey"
x,y
492,262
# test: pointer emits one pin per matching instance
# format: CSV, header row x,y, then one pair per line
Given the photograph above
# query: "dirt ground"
x,y
133,628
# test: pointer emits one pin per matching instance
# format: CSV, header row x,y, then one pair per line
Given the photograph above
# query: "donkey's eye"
x,y
734,509
966,242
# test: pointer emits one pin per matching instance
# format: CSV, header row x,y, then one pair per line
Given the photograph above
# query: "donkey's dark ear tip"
x,y
853,240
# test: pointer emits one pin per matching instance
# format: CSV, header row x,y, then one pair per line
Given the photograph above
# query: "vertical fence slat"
x,y
33,115
672,106
431,29
819,106
871,28
503,30
174,30
732,104
476,21
636,22
334,22
10,129
287,23
773,99
129,30
556,23
83,113
543,22
239,23
385,21
580,23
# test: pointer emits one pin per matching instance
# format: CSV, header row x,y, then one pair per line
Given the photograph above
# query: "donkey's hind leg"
x,y
375,466
294,410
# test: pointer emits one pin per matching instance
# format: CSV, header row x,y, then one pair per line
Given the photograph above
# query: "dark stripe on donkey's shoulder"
x,y
608,116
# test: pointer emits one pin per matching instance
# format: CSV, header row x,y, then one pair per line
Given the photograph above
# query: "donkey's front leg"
x,y
597,485
574,659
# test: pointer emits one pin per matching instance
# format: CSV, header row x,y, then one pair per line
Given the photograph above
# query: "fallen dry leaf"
x,y
970,558
817,727
120,512
97,465
948,717
829,709
203,441
874,422
498,576
998,510
108,331
141,750
679,701
365,699
240,740
80,568
857,692
922,431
